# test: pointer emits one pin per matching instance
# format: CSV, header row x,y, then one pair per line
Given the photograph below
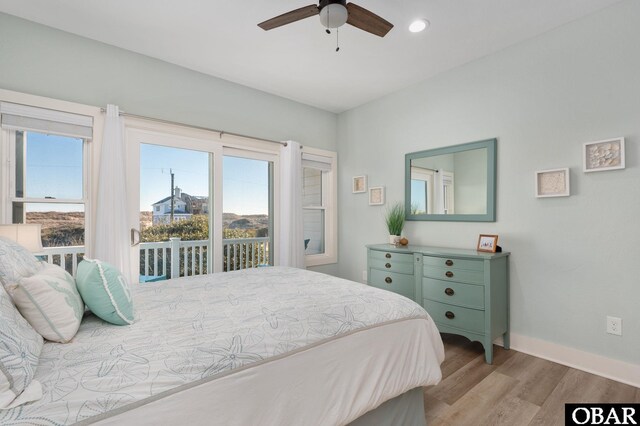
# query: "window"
x,y
422,194
447,192
319,203
175,242
432,191
247,202
47,176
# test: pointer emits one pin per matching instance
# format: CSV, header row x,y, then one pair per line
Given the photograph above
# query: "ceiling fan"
x,y
334,14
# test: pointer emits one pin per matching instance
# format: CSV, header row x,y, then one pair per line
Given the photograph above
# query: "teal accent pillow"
x,y
105,291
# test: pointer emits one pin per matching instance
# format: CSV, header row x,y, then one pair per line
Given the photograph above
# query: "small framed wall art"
x,y
603,155
359,184
488,243
376,196
552,183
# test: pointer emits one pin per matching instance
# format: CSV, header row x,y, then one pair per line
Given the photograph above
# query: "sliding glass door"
x,y
247,210
197,206
174,212
171,198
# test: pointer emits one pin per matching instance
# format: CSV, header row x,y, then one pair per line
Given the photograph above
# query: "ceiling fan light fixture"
x,y
418,25
334,15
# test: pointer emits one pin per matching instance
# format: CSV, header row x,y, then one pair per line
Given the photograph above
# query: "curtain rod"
x,y
426,168
175,123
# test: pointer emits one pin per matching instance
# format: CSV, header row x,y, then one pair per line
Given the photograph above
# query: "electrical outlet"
x,y
364,276
614,325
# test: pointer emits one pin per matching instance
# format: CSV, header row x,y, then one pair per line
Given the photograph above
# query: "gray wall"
x,y
575,259
43,61
470,182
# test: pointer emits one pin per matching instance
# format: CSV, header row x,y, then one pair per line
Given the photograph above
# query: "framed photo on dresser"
x,y
487,243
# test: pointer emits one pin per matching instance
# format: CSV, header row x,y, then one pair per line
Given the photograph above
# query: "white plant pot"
x,y
394,239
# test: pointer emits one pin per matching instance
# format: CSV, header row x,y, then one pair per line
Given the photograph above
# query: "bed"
x,y
269,346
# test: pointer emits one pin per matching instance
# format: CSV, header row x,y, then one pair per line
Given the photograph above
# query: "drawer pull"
x,y
449,262
388,265
388,280
388,255
449,291
449,274
450,315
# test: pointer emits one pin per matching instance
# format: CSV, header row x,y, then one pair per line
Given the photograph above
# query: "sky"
x,y
54,169
245,187
418,195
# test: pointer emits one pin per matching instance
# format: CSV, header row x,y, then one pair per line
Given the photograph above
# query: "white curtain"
x,y
291,248
111,243
438,192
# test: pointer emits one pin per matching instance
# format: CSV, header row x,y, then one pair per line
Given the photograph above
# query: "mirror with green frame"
x,y
454,183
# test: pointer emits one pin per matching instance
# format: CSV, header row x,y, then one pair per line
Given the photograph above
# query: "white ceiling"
x,y
298,61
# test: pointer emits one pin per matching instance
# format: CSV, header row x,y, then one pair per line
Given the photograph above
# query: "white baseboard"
x,y
610,368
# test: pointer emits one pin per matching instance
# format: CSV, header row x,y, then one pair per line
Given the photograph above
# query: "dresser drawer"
x,y
465,295
388,255
452,274
392,265
453,263
398,283
462,318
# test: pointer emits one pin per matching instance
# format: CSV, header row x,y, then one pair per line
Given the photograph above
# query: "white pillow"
x,y
16,262
20,348
50,301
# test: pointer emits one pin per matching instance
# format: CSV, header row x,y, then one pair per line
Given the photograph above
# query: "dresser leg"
x,y
506,341
488,351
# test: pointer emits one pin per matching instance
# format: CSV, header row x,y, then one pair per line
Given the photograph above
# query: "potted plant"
x,y
394,217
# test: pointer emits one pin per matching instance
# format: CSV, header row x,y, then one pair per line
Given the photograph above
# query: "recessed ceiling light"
x,y
418,25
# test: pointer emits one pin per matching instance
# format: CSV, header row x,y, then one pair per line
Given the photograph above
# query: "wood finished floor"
x,y
518,389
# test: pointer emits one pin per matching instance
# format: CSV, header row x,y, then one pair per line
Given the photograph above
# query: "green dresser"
x,y
466,292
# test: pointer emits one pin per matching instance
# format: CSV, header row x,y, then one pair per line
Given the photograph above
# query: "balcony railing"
x,y
67,257
158,259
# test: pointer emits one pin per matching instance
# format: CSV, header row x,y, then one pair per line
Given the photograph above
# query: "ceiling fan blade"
x,y
289,17
368,21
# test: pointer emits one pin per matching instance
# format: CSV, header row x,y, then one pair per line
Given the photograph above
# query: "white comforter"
x,y
263,346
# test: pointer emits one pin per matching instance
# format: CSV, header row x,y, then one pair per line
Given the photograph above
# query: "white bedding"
x,y
266,346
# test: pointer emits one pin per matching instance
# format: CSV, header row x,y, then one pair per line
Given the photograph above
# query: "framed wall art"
x,y
359,184
376,196
552,183
603,155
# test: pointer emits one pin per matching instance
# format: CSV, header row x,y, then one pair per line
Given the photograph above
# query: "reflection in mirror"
x,y
452,183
